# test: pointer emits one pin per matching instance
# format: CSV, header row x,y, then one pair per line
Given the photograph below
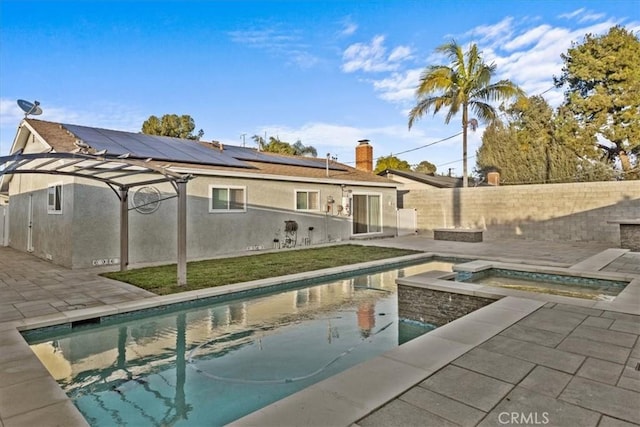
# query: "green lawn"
x,y
216,272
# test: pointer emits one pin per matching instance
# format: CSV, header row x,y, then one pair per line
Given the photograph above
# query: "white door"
x,y
4,229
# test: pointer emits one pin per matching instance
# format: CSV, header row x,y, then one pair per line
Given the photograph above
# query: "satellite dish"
x,y
146,200
29,108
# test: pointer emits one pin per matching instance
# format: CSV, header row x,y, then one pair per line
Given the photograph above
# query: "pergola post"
x,y
182,232
124,228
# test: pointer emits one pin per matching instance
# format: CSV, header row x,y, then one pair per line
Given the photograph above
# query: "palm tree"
x,y
464,85
299,149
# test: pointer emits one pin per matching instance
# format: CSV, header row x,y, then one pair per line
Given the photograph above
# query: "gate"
x,y
407,222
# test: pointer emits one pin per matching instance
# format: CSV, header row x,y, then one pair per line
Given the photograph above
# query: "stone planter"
x,y
471,235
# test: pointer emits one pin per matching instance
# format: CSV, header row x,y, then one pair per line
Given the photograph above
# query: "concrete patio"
x,y
546,362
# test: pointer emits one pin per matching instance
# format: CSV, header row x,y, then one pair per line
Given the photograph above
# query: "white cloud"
x,y
266,38
572,14
583,15
111,116
399,87
372,57
280,43
10,113
525,51
400,53
303,59
340,140
531,58
529,37
348,28
591,17
490,33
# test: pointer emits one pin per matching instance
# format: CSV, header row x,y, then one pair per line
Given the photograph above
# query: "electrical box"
x,y
346,204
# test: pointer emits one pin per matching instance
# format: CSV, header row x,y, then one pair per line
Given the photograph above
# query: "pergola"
x,y
120,174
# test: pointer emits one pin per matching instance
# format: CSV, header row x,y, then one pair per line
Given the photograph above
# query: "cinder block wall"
x,y
556,212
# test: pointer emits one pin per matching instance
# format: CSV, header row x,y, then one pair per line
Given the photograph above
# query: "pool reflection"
x,y
168,369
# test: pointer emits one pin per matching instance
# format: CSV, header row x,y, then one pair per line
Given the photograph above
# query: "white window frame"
x,y
308,191
380,214
51,190
228,187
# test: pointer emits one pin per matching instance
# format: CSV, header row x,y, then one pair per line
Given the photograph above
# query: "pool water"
x,y
570,286
212,365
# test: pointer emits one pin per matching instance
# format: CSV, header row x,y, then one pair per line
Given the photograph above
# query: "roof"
x,y
438,181
248,162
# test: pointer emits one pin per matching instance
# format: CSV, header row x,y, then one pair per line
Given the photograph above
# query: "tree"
x,y
425,167
275,145
304,150
463,86
530,148
172,125
592,165
602,80
391,162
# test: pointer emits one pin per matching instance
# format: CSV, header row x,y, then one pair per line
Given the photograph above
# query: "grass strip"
x,y
161,280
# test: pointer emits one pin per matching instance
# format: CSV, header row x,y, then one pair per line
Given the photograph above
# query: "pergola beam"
x,y
124,228
182,232
18,164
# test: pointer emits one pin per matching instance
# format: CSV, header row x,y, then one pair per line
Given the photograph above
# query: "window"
x,y
54,199
307,200
228,199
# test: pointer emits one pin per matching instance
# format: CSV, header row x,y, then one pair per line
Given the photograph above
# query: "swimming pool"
x,y
211,365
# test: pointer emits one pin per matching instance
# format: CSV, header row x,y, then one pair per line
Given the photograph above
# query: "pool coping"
x,y
339,400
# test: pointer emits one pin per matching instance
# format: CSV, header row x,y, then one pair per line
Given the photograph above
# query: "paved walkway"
x,y
561,365
577,365
31,287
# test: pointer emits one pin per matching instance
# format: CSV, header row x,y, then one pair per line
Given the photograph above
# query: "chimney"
x,y
493,178
364,156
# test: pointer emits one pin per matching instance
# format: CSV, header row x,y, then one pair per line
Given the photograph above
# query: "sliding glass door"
x,y
367,213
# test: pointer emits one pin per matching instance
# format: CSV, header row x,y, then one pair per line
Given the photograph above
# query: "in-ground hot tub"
x,y
549,280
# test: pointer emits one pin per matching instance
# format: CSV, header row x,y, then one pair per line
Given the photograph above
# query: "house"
x,y
61,180
409,180
417,180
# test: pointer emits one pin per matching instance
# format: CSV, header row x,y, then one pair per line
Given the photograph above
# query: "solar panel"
x,y
151,146
143,146
249,154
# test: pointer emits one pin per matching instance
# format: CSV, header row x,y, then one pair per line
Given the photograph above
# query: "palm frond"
x,y
483,111
502,90
434,79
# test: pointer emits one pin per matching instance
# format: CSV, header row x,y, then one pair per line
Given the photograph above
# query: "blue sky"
x,y
326,72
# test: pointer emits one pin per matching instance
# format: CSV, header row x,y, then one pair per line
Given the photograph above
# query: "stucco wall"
x,y
89,228
51,233
561,212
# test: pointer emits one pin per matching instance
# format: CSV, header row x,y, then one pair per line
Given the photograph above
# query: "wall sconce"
x,y
330,199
